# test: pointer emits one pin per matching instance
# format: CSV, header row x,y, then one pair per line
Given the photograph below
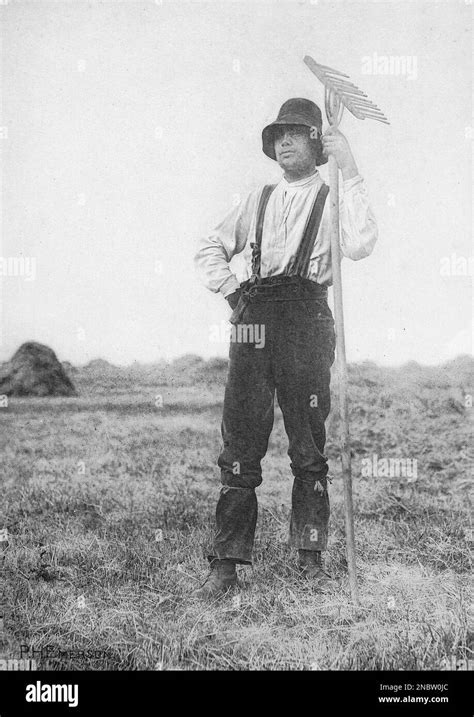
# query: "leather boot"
x,y
222,578
311,568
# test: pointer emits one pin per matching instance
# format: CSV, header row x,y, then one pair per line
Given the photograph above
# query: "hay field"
x,y
108,499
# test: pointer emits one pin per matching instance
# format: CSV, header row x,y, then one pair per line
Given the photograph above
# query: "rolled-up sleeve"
x,y
215,251
358,225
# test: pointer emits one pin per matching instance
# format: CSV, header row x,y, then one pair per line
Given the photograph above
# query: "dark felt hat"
x,y
295,111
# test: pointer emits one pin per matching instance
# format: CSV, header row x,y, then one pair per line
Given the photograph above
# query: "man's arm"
x,y
233,299
217,249
358,225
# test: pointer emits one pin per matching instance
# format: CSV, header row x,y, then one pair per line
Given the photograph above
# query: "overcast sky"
x,y
130,128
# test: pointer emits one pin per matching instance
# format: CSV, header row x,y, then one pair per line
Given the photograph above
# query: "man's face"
x,y
294,148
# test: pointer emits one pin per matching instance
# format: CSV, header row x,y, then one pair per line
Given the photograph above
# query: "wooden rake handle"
x,y
342,378
341,93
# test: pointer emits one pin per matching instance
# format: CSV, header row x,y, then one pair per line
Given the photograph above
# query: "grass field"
x,y
109,499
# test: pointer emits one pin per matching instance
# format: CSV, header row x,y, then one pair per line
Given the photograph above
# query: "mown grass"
x,y
109,502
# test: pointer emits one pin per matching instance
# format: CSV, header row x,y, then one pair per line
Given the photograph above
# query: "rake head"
x,y
339,92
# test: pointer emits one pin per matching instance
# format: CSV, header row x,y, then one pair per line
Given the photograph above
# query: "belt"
x,y
283,287
277,288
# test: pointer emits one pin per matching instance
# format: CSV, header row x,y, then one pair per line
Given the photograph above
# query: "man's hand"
x,y
233,299
335,144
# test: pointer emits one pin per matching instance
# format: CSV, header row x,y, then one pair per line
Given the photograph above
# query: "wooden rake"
x,y
340,93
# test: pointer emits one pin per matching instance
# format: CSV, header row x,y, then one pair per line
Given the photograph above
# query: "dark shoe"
x,y
311,568
222,578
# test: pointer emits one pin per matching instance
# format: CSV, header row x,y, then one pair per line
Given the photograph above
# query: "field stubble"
x,y
109,501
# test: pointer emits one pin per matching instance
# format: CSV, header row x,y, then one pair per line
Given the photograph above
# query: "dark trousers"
x,y
284,342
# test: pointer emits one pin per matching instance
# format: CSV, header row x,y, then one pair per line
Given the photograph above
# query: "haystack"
x,y
34,370
69,367
100,366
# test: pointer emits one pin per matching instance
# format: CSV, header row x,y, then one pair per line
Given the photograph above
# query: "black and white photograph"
x,y
236,361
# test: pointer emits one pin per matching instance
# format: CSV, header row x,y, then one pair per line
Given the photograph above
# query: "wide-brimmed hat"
x,y
295,111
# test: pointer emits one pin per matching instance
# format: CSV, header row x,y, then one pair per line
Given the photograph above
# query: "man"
x,y
284,234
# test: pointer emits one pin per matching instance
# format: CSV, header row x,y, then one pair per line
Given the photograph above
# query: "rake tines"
x,y
340,93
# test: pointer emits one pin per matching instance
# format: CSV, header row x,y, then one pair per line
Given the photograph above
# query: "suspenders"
x,y
300,264
257,246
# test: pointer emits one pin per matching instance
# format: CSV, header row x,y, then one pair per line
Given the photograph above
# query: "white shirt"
x,y
285,220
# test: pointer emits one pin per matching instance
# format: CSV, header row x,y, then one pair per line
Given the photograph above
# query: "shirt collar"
x,y
305,182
